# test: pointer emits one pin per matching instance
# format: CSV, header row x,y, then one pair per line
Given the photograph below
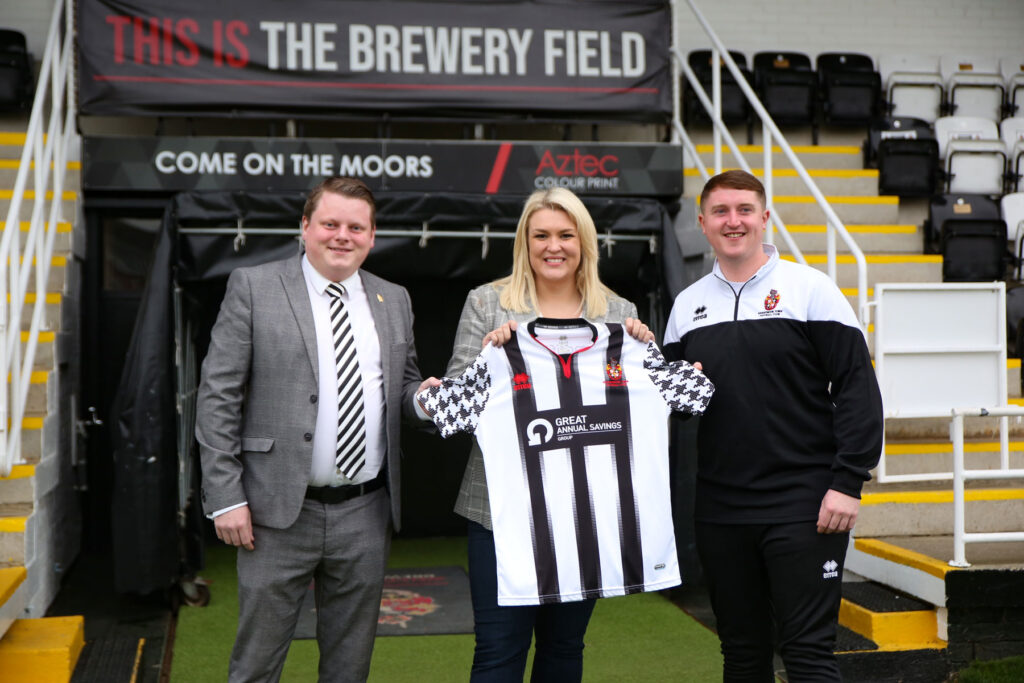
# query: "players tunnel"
x,y
437,245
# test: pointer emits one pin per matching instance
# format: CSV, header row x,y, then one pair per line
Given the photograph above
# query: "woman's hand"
x,y
501,335
637,330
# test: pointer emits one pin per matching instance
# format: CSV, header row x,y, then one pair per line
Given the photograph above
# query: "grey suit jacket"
x,y
259,389
481,314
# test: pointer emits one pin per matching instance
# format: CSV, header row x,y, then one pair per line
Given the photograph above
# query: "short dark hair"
x,y
346,187
734,180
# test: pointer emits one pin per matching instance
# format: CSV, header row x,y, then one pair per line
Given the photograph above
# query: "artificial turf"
x,y
636,638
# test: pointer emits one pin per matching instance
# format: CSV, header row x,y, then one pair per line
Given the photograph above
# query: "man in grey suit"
x,y
277,399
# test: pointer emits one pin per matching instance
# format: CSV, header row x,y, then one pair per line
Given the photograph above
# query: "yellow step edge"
x,y
882,229
16,163
799,149
892,631
68,195
1013,363
42,650
30,297
911,497
24,226
10,579
835,199
791,172
44,337
13,525
944,447
876,259
14,138
38,377
31,423
1016,401
852,291
909,558
21,472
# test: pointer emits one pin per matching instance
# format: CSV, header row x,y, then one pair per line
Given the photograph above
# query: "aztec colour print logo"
x,y
772,300
613,374
520,381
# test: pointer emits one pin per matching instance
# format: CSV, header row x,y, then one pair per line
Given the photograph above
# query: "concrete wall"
x,y
923,27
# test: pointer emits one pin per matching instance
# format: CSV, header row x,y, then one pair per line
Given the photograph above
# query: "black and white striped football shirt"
x,y
572,420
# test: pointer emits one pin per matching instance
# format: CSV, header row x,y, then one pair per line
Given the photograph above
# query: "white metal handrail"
x,y
961,475
45,149
770,137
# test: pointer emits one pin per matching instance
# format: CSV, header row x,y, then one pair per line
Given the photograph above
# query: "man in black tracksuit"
x,y
785,445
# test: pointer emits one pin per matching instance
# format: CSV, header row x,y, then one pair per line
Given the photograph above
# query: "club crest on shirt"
x,y
772,300
520,381
613,374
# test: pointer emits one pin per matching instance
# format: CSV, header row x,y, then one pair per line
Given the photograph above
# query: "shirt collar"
x,y
773,258
353,284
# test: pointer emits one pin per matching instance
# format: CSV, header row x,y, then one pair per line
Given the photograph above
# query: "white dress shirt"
x,y
323,471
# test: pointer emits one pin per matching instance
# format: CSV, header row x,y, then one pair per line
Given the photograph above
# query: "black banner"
x,y
556,56
280,164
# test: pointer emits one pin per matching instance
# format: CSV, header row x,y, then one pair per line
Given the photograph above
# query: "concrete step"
x,y
785,181
802,209
10,165
846,157
930,512
67,209
61,243
13,519
51,312
12,594
891,619
42,650
18,487
881,268
899,239
797,136
919,457
32,428
43,359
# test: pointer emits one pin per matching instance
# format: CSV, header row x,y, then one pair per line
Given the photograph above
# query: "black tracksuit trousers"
x,y
774,583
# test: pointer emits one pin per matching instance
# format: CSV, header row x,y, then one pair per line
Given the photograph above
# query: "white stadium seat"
x,y
913,85
974,86
975,157
1012,69
1012,133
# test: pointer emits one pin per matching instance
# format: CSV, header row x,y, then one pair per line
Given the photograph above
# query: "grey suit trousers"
x,y
343,548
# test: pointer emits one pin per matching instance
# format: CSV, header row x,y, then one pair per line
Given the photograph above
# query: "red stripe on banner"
x,y
372,86
498,171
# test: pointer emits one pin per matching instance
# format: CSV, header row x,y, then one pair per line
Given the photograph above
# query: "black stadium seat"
x,y
966,229
788,88
906,153
735,107
16,81
850,88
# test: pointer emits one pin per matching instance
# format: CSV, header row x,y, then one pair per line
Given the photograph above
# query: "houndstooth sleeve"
x,y
455,406
684,387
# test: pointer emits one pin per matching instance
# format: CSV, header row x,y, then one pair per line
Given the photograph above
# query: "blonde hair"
x,y
519,290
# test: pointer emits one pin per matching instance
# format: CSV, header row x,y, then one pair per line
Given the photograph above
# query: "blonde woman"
x,y
554,275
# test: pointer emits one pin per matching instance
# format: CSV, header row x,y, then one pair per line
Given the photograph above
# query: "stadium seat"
x,y
906,154
913,86
850,88
788,87
1012,133
16,80
1012,69
974,158
735,107
1012,209
944,208
974,86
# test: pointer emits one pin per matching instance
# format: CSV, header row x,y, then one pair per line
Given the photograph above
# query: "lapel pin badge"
x,y
380,298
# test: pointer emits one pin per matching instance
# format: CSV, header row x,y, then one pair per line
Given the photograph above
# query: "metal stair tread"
x,y
876,597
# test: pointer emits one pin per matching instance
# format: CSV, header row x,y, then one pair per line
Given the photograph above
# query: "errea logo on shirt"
x,y
700,313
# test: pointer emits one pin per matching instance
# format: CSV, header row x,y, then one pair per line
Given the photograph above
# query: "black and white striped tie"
x,y
350,455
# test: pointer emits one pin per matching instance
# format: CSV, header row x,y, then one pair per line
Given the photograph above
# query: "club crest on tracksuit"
x,y
772,300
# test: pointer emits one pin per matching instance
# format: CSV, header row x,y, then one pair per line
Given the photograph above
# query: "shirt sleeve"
x,y
684,387
455,406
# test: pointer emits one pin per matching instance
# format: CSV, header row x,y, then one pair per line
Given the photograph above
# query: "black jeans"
x,y
503,634
786,576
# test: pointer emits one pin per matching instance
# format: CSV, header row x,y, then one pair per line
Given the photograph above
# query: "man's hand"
x,y
500,335
637,330
426,384
838,513
234,527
